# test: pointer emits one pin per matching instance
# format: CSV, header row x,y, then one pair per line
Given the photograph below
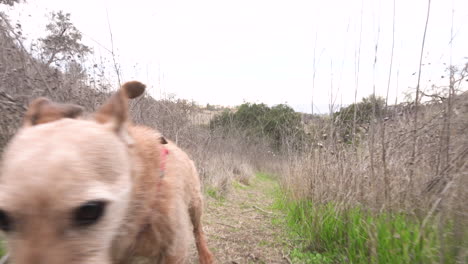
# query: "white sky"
x,y
225,52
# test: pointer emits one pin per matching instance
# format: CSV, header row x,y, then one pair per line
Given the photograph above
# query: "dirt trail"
x,y
240,227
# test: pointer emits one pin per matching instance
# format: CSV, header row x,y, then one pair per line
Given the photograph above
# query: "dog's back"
x,y
166,197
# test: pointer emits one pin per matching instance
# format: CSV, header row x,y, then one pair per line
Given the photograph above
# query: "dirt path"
x,y
240,228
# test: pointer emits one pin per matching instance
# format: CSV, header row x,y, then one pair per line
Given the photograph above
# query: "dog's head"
x,y
65,181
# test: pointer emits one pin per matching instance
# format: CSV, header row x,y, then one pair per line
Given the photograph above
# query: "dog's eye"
x,y
5,221
89,213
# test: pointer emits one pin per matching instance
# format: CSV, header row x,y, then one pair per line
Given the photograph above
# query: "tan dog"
x,y
97,190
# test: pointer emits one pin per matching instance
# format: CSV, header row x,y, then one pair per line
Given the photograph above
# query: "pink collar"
x,y
164,153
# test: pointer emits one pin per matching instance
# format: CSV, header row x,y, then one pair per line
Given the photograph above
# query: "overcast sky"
x,y
225,52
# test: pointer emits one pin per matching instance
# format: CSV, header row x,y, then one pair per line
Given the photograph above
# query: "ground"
x,y
243,227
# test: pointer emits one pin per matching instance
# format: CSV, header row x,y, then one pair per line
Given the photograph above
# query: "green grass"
x,y
302,256
261,176
215,194
2,246
329,235
239,186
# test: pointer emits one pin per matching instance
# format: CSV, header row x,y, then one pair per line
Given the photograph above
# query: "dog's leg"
x,y
195,212
175,260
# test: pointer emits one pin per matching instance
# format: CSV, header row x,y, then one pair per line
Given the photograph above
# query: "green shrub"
x,y
277,124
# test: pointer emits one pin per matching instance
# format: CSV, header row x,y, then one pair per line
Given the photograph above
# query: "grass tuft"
x,y
329,234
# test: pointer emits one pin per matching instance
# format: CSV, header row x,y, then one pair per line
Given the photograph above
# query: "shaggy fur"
x,y
59,162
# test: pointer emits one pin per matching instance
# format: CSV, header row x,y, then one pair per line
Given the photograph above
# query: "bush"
x,y
344,119
279,124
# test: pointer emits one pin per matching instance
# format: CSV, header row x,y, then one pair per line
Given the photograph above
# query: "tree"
x,y
278,124
344,119
75,71
63,42
10,2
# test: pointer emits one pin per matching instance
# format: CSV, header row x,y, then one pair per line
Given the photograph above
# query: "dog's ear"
x,y
162,140
42,110
115,111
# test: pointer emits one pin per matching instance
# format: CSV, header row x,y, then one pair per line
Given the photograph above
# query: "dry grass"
x,y
430,194
344,173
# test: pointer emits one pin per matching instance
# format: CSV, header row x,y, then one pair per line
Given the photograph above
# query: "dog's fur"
x,y
59,161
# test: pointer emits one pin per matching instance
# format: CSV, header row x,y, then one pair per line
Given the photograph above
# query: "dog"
x,y
97,189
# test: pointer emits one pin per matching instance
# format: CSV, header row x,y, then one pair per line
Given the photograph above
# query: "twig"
x,y
260,209
248,211
231,226
11,101
286,257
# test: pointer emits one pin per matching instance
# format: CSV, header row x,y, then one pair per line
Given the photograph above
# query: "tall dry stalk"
x,y
416,102
374,116
384,115
116,67
358,61
313,75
